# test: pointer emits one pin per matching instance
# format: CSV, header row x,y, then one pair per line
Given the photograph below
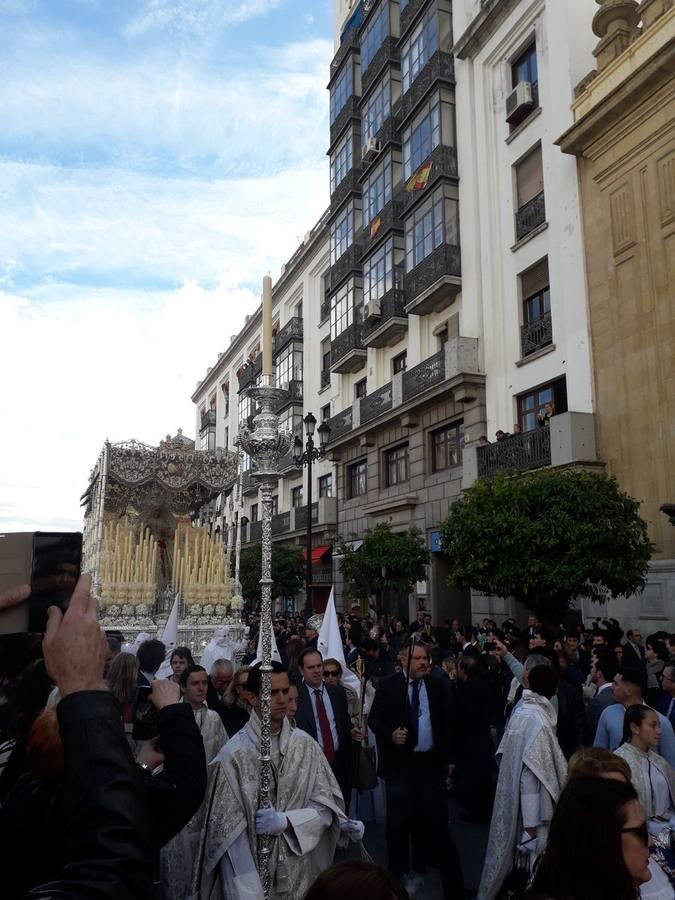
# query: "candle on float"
x,y
267,325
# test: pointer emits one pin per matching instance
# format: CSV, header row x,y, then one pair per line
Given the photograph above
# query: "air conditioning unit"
x,y
372,308
519,103
370,149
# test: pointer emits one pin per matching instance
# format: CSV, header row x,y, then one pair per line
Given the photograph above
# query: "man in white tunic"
x,y
532,772
305,821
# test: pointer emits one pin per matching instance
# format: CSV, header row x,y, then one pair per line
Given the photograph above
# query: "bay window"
x,y
433,125
375,34
433,32
345,307
341,160
342,231
432,223
377,108
377,189
341,90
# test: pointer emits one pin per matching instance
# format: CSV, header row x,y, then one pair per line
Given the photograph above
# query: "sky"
x,y
157,158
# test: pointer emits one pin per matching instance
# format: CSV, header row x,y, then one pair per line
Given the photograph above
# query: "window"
x,y
341,91
396,465
529,177
341,160
419,47
246,408
378,272
296,497
434,222
376,32
289,366
357,476
434,124
325,412
342,309
254,512
535,292
360,388
530,405
207,439
291,420
377,190
442,338
446,447
342,232
326,486
377,108
398,363
325,361
525,69
225,388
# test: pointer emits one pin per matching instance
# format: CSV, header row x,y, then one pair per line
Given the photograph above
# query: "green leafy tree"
x,y
546,538
288,572
386,561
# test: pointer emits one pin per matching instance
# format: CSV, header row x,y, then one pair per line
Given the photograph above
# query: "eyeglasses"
x,y
331,673
639,831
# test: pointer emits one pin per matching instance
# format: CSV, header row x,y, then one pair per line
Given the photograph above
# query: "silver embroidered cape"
x,y
303,784
529,741
637,760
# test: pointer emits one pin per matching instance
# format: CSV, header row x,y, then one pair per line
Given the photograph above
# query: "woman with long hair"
x,y
122,683
181,658
597,846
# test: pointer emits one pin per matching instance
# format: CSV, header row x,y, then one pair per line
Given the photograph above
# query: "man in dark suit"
x,y
412,719
665,703
150,656
323,714
633,651
604,667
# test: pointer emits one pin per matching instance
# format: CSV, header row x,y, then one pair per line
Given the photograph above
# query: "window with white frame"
x,y
289,366
377,108
341,160
375,34
378,272
433,223
342,308
342,89
433,125
341,233
246,407
377,189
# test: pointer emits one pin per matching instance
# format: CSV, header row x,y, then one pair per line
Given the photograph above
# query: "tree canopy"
x,y
386,561
288,572
546,538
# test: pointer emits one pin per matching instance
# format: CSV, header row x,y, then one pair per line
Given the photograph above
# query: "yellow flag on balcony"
x,y
375,225
419,180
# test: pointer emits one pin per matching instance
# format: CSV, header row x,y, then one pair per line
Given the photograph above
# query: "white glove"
x,y
527,844
352,829
269,821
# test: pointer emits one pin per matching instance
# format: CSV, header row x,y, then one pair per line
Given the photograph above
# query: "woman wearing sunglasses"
x,y
597,845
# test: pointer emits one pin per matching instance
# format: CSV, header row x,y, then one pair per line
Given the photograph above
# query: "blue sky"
x,y
157,157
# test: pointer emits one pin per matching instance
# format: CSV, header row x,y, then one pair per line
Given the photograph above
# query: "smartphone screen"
x,y
55,567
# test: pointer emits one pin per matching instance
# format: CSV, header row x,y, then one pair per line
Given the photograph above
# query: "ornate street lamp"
x,y
306,458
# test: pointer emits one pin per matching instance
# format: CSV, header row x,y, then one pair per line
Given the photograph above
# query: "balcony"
x,y
389,327
350,261
348,112
423,376
254,534
536,335
443,165
349,185
388,52
347,352
530,216
410,13
348,42
292,331
281,523
340,424
249,484
322,574
441,67
294,389
250,372
208,419
435,282
384,222
373,405
569,440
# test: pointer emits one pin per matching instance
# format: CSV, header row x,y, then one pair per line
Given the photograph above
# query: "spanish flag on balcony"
x,y
375,225
418,181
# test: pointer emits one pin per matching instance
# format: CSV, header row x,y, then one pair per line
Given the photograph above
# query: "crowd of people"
x,y
138,774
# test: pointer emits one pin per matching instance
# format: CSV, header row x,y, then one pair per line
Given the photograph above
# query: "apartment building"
x,y
222,405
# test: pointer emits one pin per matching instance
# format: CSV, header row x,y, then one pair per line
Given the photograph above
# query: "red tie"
x,y
324,725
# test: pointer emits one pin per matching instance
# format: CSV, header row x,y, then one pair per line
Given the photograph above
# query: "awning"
x,y
318,553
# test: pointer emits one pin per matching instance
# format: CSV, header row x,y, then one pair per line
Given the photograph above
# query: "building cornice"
x,y
492,14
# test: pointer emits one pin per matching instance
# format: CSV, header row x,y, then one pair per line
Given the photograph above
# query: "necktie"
x,y
415,711
324,725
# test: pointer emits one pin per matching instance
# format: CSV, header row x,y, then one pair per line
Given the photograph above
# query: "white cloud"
x,y
99,364
195,16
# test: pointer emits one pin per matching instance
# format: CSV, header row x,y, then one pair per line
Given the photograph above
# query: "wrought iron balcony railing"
x,y
301,516
348,112
389,218
536,335
281,522
250,372
440,67
388,52
255,531
429,372
350,184
292,331
530,216
208,419
348,262
340,424
516,453
350,339
390,325
373,405
443,165
444,260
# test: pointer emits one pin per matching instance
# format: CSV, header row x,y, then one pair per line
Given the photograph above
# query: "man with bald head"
x,y
220,676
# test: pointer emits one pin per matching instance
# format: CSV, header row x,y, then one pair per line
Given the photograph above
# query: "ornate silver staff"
x,y
266,444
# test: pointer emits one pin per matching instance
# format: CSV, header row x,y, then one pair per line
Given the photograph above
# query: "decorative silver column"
x,y
266,444
238,492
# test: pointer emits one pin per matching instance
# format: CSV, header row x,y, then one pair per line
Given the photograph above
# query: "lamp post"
x,y
306,458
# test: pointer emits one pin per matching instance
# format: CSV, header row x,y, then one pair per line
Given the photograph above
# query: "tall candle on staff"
x,y
267,325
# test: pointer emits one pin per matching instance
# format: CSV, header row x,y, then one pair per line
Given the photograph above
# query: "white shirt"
x,y
329,712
